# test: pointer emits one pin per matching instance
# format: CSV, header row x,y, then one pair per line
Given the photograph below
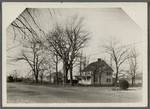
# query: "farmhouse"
x,y
98,72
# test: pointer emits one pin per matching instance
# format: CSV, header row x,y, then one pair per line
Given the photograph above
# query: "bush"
x,y
10,79
124,84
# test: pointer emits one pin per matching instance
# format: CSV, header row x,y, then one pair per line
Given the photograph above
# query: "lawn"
x,y
24,93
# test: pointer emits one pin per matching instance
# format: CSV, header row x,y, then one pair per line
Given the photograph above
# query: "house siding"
x,y
89,80
104,78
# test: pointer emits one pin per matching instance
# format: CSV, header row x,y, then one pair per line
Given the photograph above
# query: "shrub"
x,y
10,79
124,84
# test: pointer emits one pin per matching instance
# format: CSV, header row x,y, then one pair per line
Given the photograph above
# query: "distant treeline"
x,y
12,79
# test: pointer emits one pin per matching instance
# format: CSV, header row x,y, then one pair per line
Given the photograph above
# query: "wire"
x,y
119,47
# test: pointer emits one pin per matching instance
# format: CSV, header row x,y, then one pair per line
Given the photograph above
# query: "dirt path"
x,y
42,94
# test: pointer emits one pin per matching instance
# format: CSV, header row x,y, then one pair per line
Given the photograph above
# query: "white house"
x,y
98,72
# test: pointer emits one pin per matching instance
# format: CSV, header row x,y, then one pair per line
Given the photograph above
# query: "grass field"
x,y
24,93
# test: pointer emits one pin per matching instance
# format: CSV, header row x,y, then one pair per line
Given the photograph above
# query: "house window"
x,y
88,78
108,73
108,80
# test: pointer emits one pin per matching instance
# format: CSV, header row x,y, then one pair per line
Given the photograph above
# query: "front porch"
x,y
86,80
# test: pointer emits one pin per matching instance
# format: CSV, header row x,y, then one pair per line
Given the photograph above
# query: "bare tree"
x,y
27,26
56,41
67,40
55,59
119,54
49,70
80,67
28,31
78,38
133,61
42,70
41,75
33,54
83,61
15,75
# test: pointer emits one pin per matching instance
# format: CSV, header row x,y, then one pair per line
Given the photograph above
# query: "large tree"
x,y
133,62
27,30
118,53
56,41
34,55
55,60
43,69
67,40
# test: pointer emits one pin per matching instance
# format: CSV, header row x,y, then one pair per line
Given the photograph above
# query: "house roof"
x,y
96,65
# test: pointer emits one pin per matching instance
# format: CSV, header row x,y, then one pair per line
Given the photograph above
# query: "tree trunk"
x,y
41,81
100,79
80,63
80,66
57,68
37,70
50,80
116,84
71,78
57,78
67,67
64,72
132,80
49,75
36,79
56,75
94,78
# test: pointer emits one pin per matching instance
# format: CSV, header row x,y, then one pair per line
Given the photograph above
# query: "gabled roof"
x,y
96,65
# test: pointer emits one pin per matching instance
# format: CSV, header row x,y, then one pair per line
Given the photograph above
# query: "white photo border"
x,y
6,14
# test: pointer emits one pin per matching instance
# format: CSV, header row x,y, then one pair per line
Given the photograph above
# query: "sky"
x,y
100,22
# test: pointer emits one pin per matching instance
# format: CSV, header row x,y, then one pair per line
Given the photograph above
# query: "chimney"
x,y
99,59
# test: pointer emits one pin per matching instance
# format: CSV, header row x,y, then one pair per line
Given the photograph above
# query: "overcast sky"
x,y
100,22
